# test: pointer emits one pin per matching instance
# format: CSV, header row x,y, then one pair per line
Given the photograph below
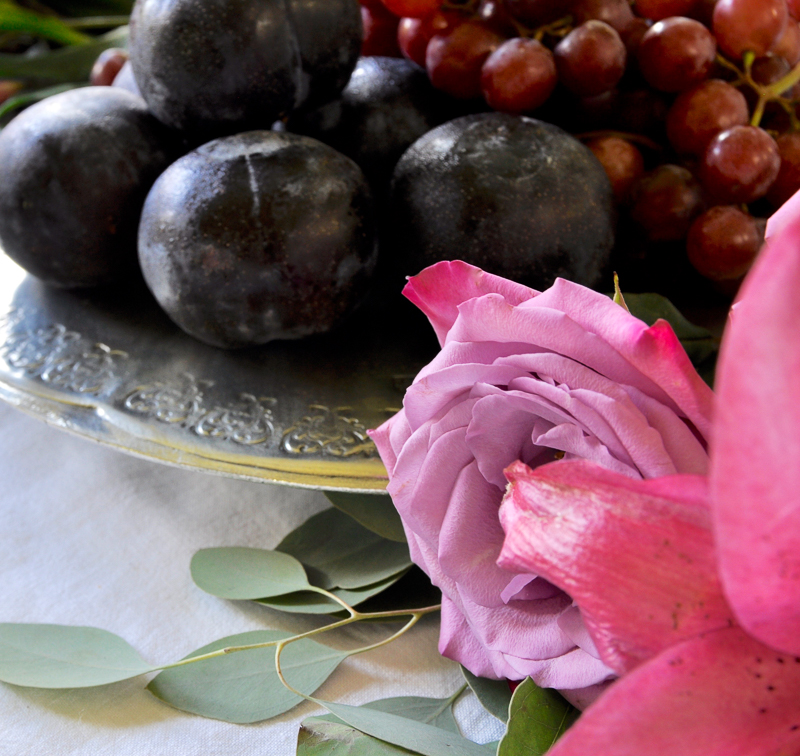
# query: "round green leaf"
x,y
343,554
64,656
237,572
494,695
243,686
374,511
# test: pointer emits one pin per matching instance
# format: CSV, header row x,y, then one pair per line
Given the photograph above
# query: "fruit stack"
x,y
690,105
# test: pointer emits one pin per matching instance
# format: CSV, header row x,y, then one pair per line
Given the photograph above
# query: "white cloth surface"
x,y
92,536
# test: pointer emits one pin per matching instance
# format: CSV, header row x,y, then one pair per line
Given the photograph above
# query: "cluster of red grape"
x,y
690,105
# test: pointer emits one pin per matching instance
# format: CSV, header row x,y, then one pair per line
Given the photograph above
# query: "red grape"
x,y
788,181
623,164
107,66
590,59
676,54
412,8
754,25
702,112
454,59
657,10
666,201
380,33
703,11
632,35
723,242
788,46
794,8
740,164
412,39
494,14
518,76
616,13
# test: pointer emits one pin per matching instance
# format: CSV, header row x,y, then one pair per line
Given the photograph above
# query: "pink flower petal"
x,y
755,470
722,694
636,556
655,351
440,288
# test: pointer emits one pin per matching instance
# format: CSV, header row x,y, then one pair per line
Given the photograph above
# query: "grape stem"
x,y
766,93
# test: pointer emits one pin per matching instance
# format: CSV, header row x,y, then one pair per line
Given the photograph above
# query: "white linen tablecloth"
x,y
91,536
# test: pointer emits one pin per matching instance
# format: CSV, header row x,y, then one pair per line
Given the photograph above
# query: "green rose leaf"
x,y
310,602
236,572
417,737
494,695
64,656
374,511
537,718
243,686
343,554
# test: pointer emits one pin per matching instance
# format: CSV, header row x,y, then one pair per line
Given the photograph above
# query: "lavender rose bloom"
x,y
528,376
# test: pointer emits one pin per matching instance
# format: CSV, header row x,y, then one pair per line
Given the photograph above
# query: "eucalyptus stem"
x,y
355,616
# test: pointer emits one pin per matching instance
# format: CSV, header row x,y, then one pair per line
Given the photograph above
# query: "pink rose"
x,y
531,377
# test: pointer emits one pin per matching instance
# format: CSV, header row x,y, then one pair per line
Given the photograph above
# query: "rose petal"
x,y
722,694
755,471
654,351
784,216
440,288
640,564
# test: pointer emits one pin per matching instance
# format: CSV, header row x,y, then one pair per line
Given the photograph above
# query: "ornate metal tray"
x,y
112,367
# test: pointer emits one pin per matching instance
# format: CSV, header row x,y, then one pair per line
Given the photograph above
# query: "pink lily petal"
x,y
440,288
721,694
755,470
636,556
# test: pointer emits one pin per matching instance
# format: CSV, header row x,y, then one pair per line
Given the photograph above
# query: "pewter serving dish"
x,y
110,366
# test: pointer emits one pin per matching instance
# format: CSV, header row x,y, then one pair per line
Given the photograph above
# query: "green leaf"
x,y
63,656
374,511
70,64
237,572
342,553
537,718
699,343
13,18
310,602
494,695
243,686
417,737
321,737
328,735
78,8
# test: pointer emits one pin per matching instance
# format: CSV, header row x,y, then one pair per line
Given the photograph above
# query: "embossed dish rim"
x,y
64,392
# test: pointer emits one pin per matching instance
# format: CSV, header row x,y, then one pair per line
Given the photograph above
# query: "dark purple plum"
x,y
258,236
76,169
219,67
515,196
386,106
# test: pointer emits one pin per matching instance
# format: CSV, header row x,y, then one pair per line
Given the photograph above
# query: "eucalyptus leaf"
x,y
65,656
417,737
343,553
537,718
321,737
494,695
374,511
310,602
14,18
433,711
244,686
69,64
237,572
699,343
